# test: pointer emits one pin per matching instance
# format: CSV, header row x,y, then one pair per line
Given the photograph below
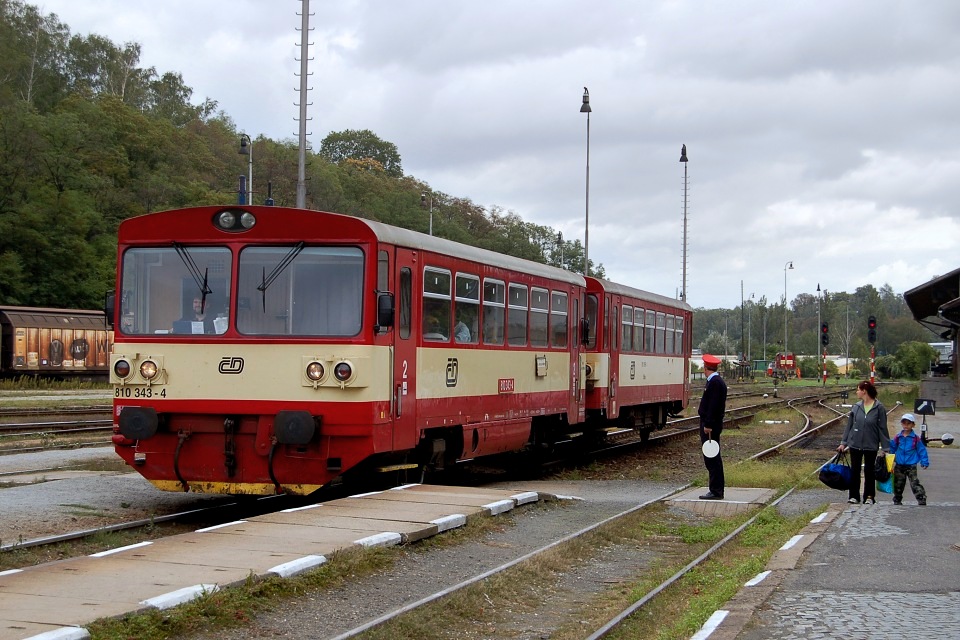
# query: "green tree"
x,y
915,358
363,145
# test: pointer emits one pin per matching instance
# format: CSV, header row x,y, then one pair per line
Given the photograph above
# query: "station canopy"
x,y
936,304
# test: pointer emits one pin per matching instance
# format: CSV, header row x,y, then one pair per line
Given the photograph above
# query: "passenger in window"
x,y
461,331
432,329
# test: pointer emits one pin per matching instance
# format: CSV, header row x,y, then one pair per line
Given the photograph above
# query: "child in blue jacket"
x,y
909,450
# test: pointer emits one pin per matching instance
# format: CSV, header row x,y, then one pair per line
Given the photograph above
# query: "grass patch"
x,y
38,383
681,610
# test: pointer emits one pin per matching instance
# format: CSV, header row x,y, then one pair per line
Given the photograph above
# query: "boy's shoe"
x,y
898,502
869,501
922,504
853,501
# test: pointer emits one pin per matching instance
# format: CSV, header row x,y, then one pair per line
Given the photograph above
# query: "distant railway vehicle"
x,y
54,342
783,367
266,350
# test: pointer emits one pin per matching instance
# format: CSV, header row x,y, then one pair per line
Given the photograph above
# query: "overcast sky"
x,y
822,133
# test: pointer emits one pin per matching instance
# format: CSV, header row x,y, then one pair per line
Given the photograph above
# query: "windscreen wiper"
x,y
194,270
266,280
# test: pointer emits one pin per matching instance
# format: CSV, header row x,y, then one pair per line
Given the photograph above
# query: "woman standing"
x,y
865,434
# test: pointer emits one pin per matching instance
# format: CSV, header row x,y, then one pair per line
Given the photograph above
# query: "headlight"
x,y
226,220
247,220
343,371
149,369
315,371
121,368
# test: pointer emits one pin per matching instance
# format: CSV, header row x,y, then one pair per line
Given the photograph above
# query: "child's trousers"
x,y
901,472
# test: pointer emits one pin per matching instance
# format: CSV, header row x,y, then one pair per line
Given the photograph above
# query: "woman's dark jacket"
x,y
867,431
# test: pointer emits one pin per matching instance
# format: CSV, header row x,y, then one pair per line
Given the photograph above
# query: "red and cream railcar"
x,y
326,342
638,356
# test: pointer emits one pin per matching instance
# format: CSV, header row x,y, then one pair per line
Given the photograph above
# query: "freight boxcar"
x,y
54,342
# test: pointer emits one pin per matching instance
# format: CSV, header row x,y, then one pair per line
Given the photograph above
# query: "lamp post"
x,y
560,245
585,108
743,337
686,184
749,329
789,265
246,149
423,203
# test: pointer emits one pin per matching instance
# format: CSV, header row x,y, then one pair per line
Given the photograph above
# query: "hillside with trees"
x,y
88,138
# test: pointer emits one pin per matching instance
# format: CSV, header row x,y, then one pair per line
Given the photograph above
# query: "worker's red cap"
x,y
711,361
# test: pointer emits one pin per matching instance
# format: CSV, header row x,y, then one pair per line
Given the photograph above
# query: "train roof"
x,y
398,236
424,242
52,318
624,290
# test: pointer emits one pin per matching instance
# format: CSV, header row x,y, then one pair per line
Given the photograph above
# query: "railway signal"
x,y
824,334
872,329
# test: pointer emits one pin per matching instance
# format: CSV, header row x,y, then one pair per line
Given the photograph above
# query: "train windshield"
x,y
295,290
175,289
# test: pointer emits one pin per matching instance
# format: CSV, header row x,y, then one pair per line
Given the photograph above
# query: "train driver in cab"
x,y
194,320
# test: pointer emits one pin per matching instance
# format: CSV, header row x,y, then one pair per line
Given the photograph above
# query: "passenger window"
x,y
558,319
668,347
679,344
466,329
436,305
661,317
493,311
517,316
539,310
626,342
638,330
649,331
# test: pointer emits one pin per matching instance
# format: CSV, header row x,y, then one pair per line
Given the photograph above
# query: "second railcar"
x,y
638,356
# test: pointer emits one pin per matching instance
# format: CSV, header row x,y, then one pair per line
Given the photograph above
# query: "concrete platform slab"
x,y
411,531
212,556
279,533
55,610
74,592
19,630
735,500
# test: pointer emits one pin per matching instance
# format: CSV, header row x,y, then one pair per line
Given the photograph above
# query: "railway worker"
x,y
865,434
713,404
908,450
195,315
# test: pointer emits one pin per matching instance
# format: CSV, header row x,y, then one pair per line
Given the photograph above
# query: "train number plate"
x,y
506,385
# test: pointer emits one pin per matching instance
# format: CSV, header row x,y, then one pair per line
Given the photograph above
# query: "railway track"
x,y
798,439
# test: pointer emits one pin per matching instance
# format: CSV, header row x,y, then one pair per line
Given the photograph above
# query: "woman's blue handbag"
x,y
836,473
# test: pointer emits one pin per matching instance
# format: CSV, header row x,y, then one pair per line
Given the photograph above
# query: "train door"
x,y
613,348
579,359
405,352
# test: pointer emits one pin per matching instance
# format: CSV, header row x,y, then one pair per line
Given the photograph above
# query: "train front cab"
x,y
637,357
